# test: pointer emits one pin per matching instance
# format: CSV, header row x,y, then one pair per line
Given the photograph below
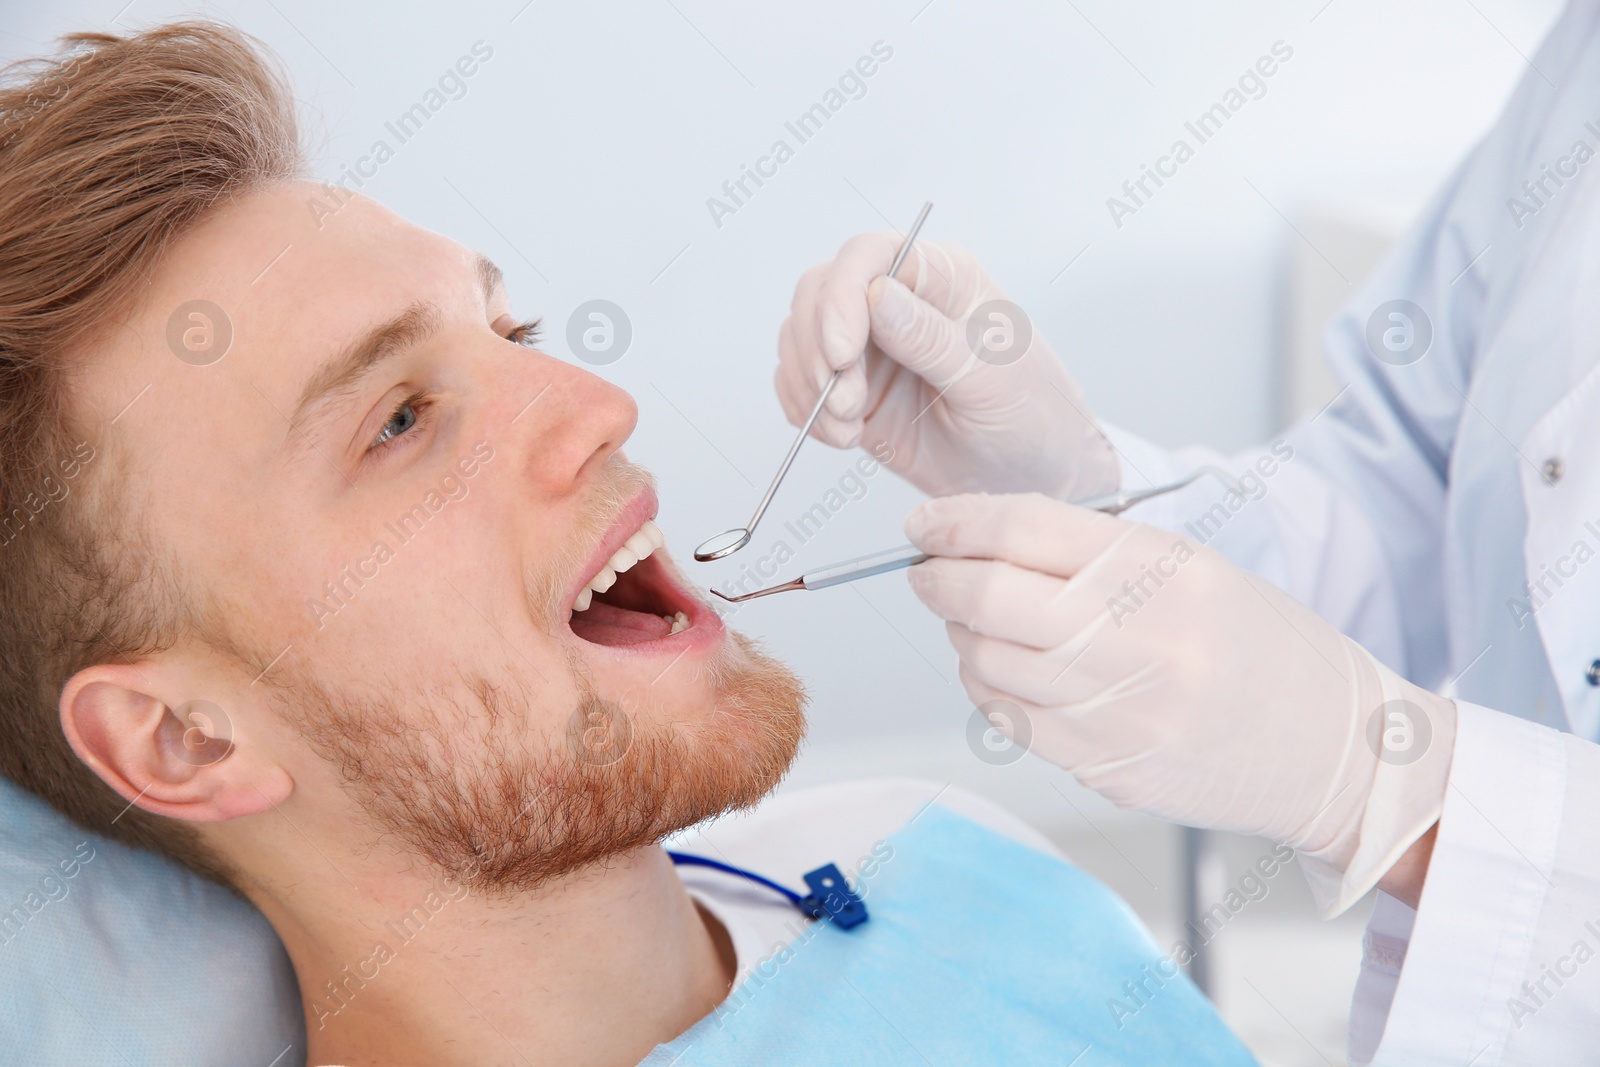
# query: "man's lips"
x,y
633,615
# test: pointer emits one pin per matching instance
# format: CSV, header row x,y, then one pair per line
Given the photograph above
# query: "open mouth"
x,y
632,599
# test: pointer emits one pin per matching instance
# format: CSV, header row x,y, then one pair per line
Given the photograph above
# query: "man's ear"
x,y
178,759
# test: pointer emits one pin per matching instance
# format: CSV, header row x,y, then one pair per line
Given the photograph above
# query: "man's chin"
x,y
758,720
632,779
721,760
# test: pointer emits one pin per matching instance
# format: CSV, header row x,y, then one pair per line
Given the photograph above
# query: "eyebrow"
x,y
411,327
489,275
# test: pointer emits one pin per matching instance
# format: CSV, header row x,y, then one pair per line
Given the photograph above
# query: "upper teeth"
x,y
639,546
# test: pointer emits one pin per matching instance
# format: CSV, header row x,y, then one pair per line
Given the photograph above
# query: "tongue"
x,y
607,624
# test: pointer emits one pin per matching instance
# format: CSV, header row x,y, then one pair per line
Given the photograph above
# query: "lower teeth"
x,y
679,621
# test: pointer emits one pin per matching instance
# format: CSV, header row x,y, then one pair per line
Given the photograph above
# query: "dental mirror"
x,y
725,543
730,541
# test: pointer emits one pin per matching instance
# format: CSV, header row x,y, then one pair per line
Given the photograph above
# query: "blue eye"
x,y
400,421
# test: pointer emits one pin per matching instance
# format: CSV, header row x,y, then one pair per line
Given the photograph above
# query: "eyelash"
x,y
526,333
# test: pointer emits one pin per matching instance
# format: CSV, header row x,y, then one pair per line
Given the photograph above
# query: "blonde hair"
x,y
110,150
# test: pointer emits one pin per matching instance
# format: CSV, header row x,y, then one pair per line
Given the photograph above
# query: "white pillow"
x,y
111,955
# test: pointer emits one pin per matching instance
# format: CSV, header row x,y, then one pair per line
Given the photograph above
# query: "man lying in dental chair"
x,y
348,693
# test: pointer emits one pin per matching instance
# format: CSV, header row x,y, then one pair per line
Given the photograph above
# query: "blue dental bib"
x,y
979,951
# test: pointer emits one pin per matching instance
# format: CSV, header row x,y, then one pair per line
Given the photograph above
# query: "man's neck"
x,y
596,970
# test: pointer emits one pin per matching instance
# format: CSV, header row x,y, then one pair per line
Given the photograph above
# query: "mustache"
x,y
616,484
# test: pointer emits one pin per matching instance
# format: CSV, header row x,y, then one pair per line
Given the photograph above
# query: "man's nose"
x,y
574,427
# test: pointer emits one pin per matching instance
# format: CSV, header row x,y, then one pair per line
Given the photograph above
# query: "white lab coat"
x,y
1446,514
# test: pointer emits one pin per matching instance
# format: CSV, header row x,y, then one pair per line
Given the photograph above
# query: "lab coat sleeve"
x,y
1500,963
1351,517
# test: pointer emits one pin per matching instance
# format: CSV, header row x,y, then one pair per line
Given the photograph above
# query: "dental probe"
x,y
893,559
728,542
861,567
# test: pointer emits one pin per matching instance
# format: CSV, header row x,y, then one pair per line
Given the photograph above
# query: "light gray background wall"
x,y
581,158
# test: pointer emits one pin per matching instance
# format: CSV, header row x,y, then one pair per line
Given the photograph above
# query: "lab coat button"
x,y
1552,471
1592,675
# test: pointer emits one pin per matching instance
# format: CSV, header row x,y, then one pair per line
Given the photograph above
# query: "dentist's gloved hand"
x,y
1010,422
1173,683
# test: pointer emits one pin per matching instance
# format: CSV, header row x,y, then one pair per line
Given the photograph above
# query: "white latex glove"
x,y
1012,421
1174,683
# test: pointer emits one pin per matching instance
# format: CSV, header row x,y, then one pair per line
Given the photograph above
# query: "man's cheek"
x,y
676,699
